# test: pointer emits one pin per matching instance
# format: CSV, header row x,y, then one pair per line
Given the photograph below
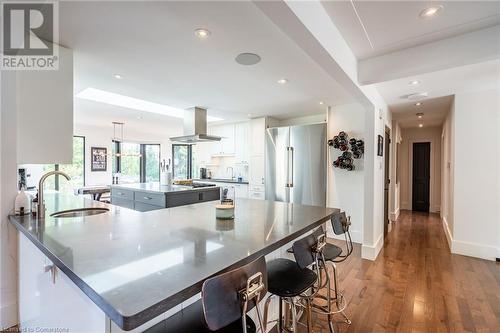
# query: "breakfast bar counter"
x,y
134,265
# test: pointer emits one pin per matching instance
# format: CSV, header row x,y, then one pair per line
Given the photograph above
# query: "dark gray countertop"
x,y
137,265
221,180
157,187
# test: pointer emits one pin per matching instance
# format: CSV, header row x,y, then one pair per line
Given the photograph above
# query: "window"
x,y
130,163
136,163
76,170
183,157
151,162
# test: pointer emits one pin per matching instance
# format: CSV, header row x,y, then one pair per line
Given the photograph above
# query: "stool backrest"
x,y
339,224
221,295
303,249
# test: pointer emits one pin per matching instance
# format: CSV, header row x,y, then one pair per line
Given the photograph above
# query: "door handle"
x,y
53,270
289,169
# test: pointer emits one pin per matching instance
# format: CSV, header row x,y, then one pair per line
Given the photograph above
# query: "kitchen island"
x,y
125,269
151,196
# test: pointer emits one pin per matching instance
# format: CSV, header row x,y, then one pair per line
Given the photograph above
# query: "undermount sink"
x,y
80,212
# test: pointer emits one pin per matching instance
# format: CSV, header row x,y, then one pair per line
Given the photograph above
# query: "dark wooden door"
x,y
421,176
387,182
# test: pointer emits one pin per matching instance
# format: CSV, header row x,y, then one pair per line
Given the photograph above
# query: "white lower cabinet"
x,y
256,195
52,304
241,190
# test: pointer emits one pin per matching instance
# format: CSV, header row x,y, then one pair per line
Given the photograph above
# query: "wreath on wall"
x,y
351,149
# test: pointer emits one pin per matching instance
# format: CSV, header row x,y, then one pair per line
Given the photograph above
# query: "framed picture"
x,y
380,150
99,159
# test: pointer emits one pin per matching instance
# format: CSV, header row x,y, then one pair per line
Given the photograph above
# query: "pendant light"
x,y
120,139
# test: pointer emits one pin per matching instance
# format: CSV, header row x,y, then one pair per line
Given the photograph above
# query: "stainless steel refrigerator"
x,y
296,163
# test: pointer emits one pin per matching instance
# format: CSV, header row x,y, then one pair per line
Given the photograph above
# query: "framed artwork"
x,y
99,159
380,149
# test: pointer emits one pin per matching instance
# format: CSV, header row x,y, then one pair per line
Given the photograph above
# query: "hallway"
x,y
417,285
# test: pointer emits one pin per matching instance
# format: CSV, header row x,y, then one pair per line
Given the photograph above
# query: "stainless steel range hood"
x,y
195,127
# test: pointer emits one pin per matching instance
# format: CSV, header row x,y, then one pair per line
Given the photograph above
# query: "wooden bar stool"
x,y
225,302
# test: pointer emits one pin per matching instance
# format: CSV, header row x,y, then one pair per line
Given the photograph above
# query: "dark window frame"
x,y
189,159
142,159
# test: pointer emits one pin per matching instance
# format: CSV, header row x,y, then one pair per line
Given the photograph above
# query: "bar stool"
x,y
290,281
332,254
226,300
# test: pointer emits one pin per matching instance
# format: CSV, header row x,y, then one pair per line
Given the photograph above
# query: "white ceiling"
x,y
434,110
153,46
482,76
396,25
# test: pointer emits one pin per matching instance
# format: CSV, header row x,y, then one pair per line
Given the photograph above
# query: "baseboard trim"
x,y
393,216
447,232
476,250
356,236
8,315
371,252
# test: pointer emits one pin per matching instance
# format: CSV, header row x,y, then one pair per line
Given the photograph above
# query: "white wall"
x,y
447,174
395,194
8,186
410,136
346,188
476,225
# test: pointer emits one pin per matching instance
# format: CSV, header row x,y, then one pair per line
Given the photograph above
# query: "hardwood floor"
x,y
417,285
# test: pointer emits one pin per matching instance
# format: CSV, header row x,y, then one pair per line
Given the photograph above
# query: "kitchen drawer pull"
x,y
148,198
120,193
53,270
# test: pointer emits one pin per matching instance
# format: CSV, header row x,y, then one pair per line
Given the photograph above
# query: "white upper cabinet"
x,y
227,139
241,143
45,113
257,136
226,145
204,153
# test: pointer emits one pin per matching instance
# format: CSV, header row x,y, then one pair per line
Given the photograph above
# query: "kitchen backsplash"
x,y
221,168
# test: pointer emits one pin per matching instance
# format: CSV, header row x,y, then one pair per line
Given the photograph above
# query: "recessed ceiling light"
x,y
128,102
420,125
202,33
419,104
321,103
431,12
414,82
420,115
417,96
283,81
247,59
118,76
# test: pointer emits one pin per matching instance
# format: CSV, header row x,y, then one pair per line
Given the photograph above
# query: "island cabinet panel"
x,y
48,299
144,207
181,199
122,193
156,199
125,203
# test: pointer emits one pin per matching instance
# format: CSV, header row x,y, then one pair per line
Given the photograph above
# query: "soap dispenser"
x,y
22,204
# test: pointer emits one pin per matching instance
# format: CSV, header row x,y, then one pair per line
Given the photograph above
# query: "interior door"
x,y
421,176
308,152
